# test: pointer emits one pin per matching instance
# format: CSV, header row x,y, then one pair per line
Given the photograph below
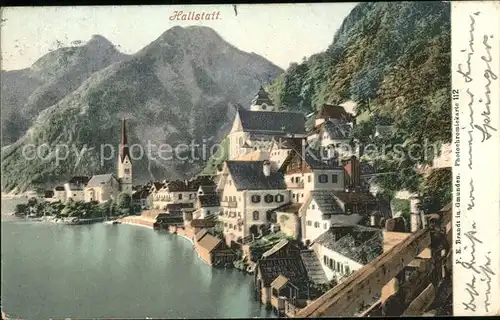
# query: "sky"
x,y
282,33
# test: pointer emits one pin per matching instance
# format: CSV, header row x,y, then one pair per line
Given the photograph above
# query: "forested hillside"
x,y
393,60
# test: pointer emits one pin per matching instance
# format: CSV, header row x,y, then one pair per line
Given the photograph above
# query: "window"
x,y
74,194
127,171
323,178
325,226
302,195
225,224
325,260
256,215
341,268
309,178
279,198
268,198
239,228
313,206
190,196
338,266
255,198
309,222
316,224
208,212
335,178
230,226
180,196
347,270
331,263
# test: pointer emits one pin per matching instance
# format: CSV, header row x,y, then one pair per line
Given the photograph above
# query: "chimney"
x,y
415,220
354,179
266,168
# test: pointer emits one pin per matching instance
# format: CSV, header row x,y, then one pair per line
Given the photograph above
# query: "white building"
x,y
60,194
206,205
323,208
251,190
307,172
343,249
101,188
254,129
75,188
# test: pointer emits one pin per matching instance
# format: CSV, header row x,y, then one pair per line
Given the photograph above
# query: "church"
x,y
104,187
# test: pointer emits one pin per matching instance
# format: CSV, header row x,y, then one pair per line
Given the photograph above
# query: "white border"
x,y
476,217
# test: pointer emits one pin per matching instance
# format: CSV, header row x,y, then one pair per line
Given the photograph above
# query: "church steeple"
x,y
124,162
124,149
262,101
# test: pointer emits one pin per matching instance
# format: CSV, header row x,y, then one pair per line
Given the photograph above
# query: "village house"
x,y
101,188
280,149
207,205
178,191
282,262
307,171
255,128
59,194
140,198
207,190
251,191
48,195
213,250
343,249
75,188
323,208
329,112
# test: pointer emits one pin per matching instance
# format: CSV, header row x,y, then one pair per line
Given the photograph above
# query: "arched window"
x,y
255,198
268,198
256,215
279,198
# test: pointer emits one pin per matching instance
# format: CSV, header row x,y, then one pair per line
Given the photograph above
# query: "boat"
x,y
112,222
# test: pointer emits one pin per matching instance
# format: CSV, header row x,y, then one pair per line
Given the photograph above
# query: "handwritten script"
x,y
479,77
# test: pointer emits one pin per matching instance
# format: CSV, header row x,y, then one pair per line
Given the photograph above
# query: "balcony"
x,y
229,204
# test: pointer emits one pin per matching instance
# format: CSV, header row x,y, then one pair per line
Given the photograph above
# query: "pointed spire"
x,y
124,149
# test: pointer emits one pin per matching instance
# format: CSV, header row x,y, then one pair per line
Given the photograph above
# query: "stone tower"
x,y
125,163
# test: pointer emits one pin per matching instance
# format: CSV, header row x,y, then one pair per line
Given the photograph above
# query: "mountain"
x,y
393,61
27,92
180,88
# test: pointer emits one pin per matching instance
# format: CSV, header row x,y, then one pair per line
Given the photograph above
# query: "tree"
x,y
20,209
124,203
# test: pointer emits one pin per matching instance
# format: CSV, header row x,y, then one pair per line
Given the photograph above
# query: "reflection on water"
x,y
122,271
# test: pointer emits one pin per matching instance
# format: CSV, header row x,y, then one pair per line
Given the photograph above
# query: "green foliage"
x,y
392,60
437,189
217,158
401,205
21,209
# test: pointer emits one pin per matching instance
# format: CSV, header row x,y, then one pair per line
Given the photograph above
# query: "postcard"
x,y
250,160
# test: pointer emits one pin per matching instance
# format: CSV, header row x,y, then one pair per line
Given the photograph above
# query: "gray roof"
x,y
313,267
326,201
272,122
358,243
249,175
208,189
209,200
98,180
262,97
337,130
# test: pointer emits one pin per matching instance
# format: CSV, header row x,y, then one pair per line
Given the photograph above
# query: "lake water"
x,y
118,271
